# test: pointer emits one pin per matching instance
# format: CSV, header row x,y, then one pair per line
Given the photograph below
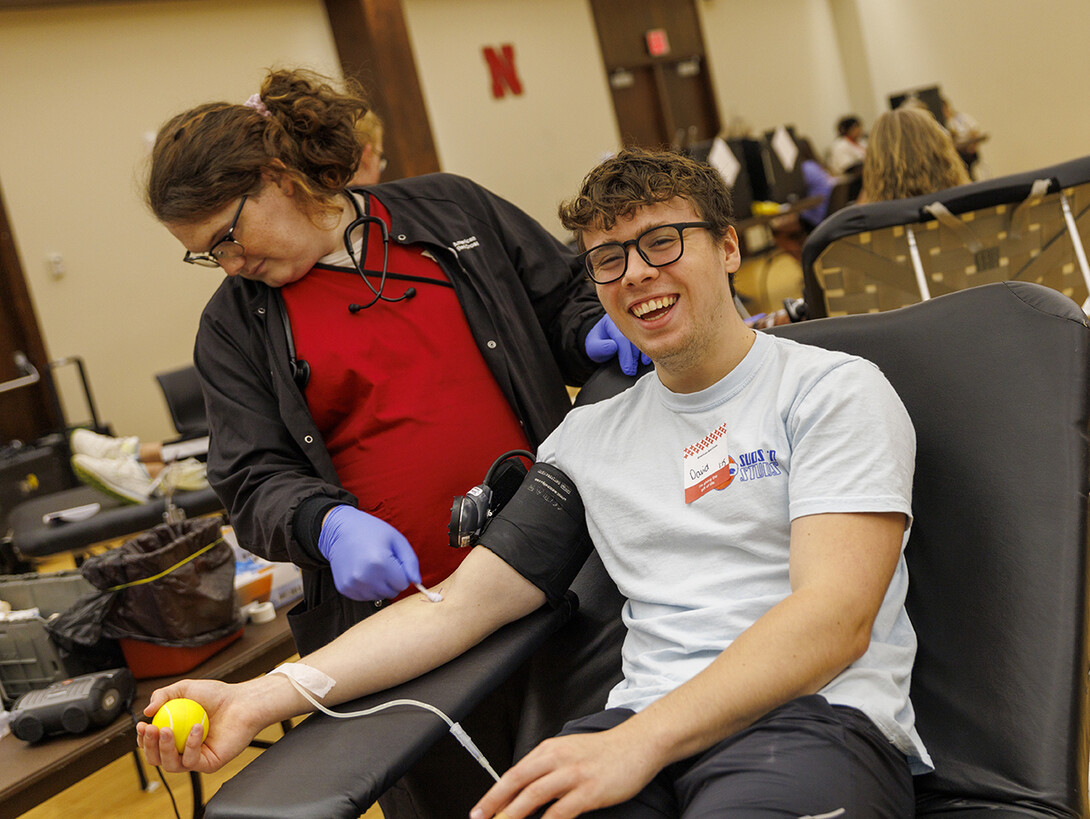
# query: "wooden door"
x,y
30,411
663,98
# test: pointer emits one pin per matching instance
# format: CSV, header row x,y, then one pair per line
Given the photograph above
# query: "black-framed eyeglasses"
x,y
225,248
658,246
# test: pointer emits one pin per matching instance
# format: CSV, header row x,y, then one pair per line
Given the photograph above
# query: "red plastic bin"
x,y
147,660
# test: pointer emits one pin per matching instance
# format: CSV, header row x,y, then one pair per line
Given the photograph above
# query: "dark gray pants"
x,y
804,759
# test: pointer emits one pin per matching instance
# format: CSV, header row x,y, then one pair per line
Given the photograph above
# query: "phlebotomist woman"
x,y
371,351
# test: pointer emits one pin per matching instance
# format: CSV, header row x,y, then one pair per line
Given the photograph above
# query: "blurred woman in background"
x,y
909,154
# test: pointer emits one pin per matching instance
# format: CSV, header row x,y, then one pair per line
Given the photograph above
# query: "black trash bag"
x,y
77,632
173,585
81,623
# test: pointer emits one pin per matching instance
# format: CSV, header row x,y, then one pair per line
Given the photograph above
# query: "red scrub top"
x,y
409,411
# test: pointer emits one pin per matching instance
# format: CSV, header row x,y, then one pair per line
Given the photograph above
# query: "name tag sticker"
x,y
708,465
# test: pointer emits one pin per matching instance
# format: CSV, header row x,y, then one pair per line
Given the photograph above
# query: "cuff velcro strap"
x,y
542,531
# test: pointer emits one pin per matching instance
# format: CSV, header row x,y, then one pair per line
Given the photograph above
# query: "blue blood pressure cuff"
x,y
542,531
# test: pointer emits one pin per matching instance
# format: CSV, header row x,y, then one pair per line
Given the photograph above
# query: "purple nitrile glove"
x,y
605,341
371,560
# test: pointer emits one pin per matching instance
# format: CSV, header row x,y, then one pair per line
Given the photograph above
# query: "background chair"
x,y
843,193
997,381
185,401
1031,226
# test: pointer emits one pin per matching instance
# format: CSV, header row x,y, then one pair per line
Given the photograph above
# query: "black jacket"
x,y
528,308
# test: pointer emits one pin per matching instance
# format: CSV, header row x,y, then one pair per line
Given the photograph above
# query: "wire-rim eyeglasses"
x,y
225,248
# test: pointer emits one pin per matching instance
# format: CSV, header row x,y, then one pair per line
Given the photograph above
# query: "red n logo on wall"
x,y
504,74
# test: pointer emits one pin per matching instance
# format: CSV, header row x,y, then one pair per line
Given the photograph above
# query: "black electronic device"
x,y
74,705
750,184
470,512
931,97
783,184
29,471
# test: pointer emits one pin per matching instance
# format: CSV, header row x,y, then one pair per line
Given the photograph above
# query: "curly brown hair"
x,y
910,154
212,154
636,177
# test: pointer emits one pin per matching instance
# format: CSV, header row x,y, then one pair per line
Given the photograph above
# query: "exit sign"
x,y
658,44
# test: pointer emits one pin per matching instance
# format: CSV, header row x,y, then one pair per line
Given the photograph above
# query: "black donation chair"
x,y
1031,227
31,536
996,381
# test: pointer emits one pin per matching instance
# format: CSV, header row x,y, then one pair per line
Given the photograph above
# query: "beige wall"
x,y
83,88
776,62
84,85
1019,68
532,149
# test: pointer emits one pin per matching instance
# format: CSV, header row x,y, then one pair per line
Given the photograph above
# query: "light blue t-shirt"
x,y
690,499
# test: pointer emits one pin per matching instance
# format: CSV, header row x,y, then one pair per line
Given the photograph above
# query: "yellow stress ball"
x,y
180,716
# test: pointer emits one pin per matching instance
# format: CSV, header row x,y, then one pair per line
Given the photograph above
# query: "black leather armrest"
x,y
332,767
34,538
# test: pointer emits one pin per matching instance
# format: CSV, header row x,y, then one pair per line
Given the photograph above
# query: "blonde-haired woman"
x,y
372,160
909,154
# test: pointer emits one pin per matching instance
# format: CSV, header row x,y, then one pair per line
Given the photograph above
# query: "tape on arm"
x,y
542,531
310,679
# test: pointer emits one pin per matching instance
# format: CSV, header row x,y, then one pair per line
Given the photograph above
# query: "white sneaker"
x,y
188,475
125,479
86,442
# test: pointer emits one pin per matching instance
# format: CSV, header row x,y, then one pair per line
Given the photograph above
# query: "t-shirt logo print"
x,y
761,463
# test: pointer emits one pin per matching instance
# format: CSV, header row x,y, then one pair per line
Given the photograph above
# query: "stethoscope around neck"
x,y
364,219
298,367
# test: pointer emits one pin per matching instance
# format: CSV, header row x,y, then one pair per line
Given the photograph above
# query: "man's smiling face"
x,y
681,314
